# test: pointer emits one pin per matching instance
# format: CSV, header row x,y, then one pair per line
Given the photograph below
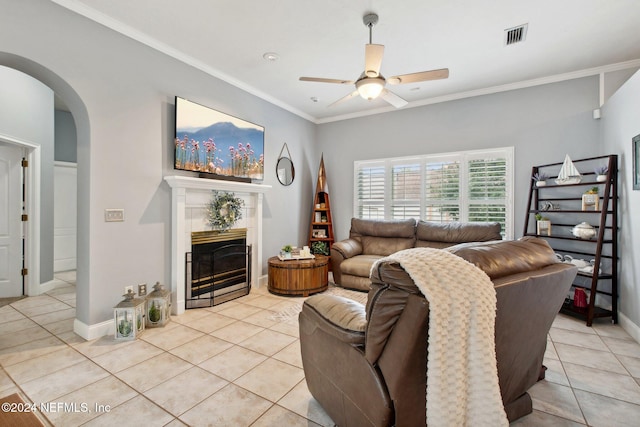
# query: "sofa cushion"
x,y
385,245
504,258
372,227
457,232
359,265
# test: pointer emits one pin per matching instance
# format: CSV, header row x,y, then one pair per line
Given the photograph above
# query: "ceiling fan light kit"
x,y
370,88
371,84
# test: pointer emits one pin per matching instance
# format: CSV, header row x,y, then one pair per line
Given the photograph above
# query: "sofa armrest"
x,y
339,317
347,248
340,251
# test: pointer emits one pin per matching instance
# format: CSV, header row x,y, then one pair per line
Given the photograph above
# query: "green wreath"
x,y
224,210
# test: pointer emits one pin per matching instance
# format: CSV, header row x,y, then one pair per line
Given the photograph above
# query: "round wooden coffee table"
x,y
298,277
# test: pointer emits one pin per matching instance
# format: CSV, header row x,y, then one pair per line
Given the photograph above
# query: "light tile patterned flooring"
x,y
235,365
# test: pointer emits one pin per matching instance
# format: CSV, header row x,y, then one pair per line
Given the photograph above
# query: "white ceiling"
x,y
326,38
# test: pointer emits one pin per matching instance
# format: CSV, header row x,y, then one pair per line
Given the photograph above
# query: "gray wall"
x,y
122,104
543,123
621,122
66,139
26,114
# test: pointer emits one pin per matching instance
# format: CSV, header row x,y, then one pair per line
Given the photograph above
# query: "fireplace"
x,y
189,199
218,268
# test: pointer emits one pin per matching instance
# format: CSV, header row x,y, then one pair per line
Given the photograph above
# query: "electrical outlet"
x,y
114,215
128,288
142,289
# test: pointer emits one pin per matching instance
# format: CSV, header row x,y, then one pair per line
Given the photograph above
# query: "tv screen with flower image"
x,y
211,142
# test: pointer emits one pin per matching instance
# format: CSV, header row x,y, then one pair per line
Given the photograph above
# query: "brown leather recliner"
x,y
366,365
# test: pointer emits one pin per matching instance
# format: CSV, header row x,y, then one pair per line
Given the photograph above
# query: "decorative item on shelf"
x,y
589,269
568,173
590,198
224,210
285,252
323,219
540,178
543,225
584,231
319,233
323,205
548,206
601,173
579,298
580,263
318,217
320,248
158,304
128,316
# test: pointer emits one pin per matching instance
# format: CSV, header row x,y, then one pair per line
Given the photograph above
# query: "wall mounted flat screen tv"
x,y
217,144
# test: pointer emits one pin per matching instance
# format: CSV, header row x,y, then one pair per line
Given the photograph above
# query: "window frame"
x,y
464,158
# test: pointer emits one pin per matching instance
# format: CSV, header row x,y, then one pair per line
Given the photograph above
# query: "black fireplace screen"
x,y
217,272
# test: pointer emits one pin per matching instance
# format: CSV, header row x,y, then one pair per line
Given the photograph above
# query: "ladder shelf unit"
x,y
565,206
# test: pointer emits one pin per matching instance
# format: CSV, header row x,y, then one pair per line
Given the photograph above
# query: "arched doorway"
x,y
80,115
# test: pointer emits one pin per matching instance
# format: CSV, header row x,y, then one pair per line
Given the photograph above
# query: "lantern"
x,y
129,317
158,305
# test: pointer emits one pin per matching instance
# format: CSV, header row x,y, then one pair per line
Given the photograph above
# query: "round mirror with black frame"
x,y
284,167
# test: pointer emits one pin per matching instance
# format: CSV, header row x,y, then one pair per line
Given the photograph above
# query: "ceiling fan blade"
x,y
344,98
422,76
322,80
393,99
373,59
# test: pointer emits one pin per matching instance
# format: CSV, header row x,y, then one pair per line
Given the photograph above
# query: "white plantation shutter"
x,y
442,190
464,186
487,189
406,191
370,187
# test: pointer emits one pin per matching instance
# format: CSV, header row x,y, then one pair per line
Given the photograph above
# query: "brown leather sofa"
x,y
366,365
370,240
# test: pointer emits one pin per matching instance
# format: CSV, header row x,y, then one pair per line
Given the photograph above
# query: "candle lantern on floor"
x,y
158,305
129,317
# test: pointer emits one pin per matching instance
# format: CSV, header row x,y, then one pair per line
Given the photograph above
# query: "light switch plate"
x,y
114,215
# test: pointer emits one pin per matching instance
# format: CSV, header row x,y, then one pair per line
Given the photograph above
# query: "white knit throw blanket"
x,y
462,379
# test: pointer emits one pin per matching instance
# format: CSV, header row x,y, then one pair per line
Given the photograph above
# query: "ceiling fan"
x,y
371,83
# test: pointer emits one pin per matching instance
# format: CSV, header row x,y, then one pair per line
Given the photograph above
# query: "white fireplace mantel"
x,y
188,191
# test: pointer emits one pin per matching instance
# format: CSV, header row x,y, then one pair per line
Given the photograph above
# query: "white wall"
x,y
621,122
543,123
121,96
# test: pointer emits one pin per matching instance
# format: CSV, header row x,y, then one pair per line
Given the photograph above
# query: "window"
x,y
464,186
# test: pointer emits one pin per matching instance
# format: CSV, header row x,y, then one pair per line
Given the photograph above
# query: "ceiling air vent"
x,y
515,34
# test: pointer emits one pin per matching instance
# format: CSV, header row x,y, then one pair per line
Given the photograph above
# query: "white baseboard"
x,y
263,280
91,332
631,328
47,286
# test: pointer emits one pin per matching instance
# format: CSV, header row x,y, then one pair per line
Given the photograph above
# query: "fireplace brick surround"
x,y
189,197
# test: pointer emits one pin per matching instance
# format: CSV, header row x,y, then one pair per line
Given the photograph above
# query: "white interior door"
x,y
65,204
10,220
